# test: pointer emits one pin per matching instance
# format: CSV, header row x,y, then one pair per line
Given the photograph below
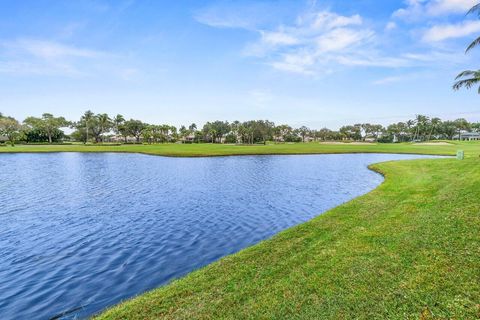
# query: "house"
x,y
121,139
190,138
467,136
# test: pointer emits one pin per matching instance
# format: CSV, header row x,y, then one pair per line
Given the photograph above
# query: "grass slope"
x,y
409,249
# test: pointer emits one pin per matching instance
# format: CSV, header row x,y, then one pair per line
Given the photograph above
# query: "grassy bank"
x,y
408,250
193,150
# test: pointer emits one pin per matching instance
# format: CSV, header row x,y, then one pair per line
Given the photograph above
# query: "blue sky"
x,y
316,63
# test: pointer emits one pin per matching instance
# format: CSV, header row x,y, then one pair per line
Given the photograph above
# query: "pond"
x,y
80,232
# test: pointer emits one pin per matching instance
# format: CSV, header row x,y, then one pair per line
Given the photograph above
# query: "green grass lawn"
x,y
408,250
223,150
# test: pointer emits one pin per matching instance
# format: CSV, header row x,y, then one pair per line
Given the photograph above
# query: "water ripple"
x,y
80,232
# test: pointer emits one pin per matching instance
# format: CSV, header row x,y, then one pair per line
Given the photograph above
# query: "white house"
x,y
468,136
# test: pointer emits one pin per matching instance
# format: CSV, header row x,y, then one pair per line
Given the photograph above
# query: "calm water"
x,y
80,232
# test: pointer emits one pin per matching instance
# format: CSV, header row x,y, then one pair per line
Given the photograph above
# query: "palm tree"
x,y
410,125
434,123
469,78
117,121
421,123
87,117
105,123
461,125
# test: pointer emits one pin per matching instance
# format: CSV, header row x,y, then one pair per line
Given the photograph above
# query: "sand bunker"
x,y
348,143
433,144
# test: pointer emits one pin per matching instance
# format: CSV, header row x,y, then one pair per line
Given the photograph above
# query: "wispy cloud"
x,y
229,14
388,80
417,9
319,41
41,57
451,31
48,49
38,57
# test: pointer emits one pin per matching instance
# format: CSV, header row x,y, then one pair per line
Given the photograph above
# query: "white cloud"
x,y
441,7
413,9
278,38
391,26
321,42
326,20
228,14
314,39
342,38
298,62
41,57
48,49
450,31
23,57
417,9
387,80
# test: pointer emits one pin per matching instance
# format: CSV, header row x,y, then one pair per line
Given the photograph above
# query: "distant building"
x,y
190,138
121,139
467,136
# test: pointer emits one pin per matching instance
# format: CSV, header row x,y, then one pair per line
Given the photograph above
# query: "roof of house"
x,y
470,134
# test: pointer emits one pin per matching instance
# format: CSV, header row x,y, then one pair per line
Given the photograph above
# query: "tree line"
x,y
101,128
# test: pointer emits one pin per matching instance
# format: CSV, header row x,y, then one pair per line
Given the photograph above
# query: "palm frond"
x,y
475,43
474,9
467,83
466,73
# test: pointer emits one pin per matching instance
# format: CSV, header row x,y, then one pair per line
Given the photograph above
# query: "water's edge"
x,y
372,167
136,212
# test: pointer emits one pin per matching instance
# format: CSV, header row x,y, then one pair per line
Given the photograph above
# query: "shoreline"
x,y
183,297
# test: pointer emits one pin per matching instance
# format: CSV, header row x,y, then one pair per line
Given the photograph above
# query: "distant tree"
x,y
234,126
304,132
48,124
325,134
448,129
148,133
98,125
399,130
281,132
410,129
434,125
262,130
164,132
461,125
117,121
173,134
85,121
123,131
421,124
183,133
376,130
10,128
352,132
135,128
216,130
469,78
